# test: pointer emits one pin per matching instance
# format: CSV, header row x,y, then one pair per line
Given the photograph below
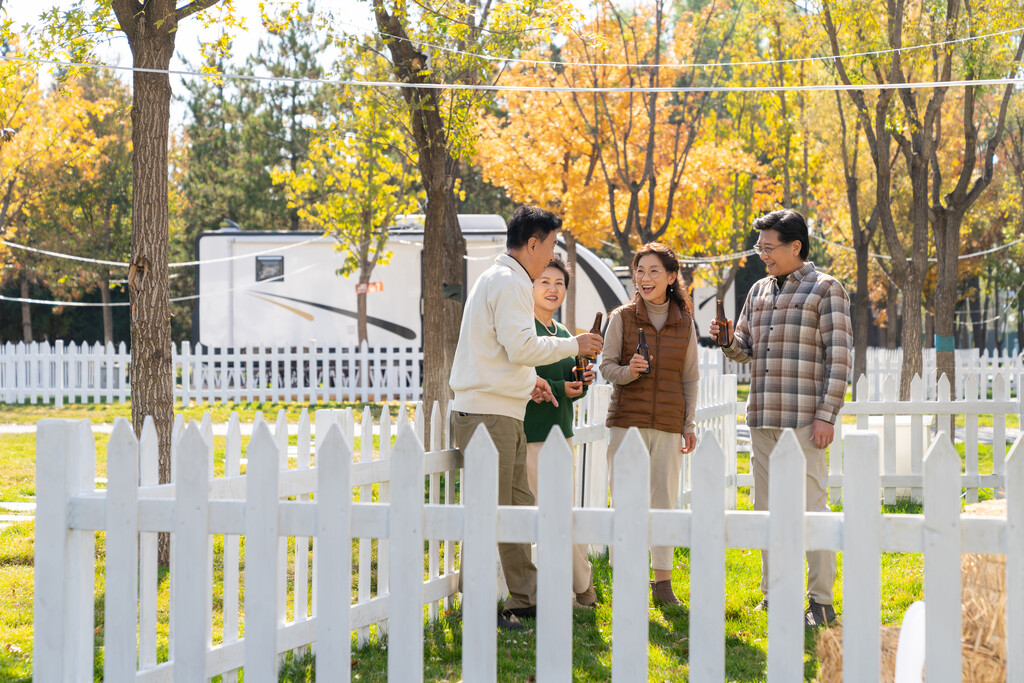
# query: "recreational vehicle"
x,y
281,289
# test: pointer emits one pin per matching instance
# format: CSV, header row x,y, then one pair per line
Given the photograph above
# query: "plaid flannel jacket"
x,y
800,341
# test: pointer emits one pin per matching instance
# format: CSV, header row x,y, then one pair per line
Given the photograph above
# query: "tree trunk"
x,y
151,33
108,312
892,326
861,315
364,279
911,344
570,291
26,310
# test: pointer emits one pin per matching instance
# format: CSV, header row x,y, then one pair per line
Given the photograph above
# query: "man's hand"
x,y
542,392
715,330
589,375
689,443
573,389
590,344
822,433
637,365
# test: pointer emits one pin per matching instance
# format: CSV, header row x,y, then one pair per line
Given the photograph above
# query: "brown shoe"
x,y
587,598
661,593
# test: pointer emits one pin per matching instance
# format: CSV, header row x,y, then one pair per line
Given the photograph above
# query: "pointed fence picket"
x,y
260,505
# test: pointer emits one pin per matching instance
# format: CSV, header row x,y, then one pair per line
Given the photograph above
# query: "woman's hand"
x,y
689,443
589,375
637,365
573,389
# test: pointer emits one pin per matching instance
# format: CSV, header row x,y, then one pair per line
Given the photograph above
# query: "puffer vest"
x,y
655,400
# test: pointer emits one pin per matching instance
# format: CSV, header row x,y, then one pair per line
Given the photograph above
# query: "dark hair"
x,y
530,221
560,265
668,259
790,225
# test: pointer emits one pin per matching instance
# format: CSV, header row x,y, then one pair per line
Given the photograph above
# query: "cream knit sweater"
x,y
493,372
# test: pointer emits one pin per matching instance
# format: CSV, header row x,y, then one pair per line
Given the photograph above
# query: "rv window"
x,y
269,268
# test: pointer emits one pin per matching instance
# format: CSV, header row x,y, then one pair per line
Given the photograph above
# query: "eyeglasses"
x,y
766,251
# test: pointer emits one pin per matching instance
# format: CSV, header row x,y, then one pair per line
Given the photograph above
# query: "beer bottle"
x,y
583,359
644,351
723,325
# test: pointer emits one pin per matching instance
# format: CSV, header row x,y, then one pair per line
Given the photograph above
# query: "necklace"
x,y
553,330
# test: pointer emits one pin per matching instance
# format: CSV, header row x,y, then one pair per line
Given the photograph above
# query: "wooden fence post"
x,y
120,615
1015,558
630,582
554,559
480,591
261,532
942,588
334,559
405,635
191,531
788,502
62,636
861,563
707,562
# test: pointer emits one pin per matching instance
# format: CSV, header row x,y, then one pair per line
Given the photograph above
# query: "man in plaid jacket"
x,y
795,328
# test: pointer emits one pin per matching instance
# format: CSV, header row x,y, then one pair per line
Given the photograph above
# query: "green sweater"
x,y
541,417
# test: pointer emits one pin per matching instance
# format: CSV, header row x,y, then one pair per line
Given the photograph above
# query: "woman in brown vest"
x,y
658,398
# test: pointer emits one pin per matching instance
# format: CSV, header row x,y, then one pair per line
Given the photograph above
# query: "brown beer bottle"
x,y
644,351
723,325
583,359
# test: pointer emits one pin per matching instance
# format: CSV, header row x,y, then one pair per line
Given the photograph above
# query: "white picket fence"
x,y
60,373
257,505
881,363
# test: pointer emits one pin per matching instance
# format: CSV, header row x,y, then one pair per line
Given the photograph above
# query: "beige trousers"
x,y
666,465
821,564
510,440
582,570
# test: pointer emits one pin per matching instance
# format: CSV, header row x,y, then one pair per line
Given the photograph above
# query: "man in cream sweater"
x,y
493,376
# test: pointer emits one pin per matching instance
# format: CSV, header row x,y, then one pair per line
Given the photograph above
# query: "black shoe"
x,y
508,622
818,615
762,606
523,612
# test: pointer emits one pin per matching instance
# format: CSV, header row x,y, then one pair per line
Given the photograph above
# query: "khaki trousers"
x,y
582,571
510,440
821,564
666,465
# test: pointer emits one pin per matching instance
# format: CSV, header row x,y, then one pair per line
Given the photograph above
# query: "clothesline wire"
x,y
831,87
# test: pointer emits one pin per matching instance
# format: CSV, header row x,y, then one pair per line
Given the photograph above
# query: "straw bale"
x,y
830,654
983,619
984,604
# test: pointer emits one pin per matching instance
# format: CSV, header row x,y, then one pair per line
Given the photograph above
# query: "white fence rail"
x,y
256,505
60,373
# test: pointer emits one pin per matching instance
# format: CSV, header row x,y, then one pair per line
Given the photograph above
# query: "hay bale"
x,y
983,619
984,605
830,653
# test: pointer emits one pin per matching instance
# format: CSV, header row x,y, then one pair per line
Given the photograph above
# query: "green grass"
x,y
29,413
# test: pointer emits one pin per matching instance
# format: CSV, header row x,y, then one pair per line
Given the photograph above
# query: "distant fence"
x,y
881,363
259,506
71,373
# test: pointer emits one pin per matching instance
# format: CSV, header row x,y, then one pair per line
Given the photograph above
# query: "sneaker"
x,y
762,606
508,622
587,598
818,615
661,594
523,612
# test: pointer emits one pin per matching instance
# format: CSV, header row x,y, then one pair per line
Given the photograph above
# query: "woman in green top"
x,y
548,295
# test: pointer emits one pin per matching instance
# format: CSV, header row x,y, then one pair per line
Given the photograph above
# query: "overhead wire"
x,y
830,87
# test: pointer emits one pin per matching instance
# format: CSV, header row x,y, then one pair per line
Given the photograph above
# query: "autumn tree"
x,y
360,175
46,138
643,137
434,44
912,121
